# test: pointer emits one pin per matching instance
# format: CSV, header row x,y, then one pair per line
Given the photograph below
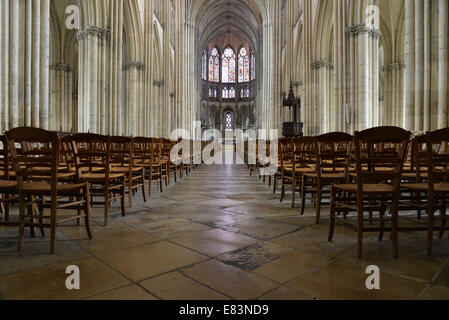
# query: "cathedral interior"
x,y
146,74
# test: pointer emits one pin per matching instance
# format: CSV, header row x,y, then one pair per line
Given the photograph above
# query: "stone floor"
x,y
219,234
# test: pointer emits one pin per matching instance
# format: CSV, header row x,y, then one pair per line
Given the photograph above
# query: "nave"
x,y
218,234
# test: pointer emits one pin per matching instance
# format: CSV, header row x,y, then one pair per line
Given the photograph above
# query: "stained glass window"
x,y
244,93
214,66
225,94
243,65
228,121
232,93
228,66
204,65
253,66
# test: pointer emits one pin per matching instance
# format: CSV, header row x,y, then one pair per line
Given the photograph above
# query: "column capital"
x,y
394,66
94,31
322,64
358,29
60,67
134,64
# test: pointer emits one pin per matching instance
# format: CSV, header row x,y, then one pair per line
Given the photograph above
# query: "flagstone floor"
x,y
219,234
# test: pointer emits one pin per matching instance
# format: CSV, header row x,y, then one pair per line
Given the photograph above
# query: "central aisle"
x,y
217,234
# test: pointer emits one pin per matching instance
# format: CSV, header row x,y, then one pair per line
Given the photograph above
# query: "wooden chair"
x,y
93,165
377,184
331,154
295,161
122,161
8,187
36,163
435,190
159,165
305,161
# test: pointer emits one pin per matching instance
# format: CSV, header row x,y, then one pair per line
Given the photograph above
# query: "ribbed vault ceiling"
x,y
218,18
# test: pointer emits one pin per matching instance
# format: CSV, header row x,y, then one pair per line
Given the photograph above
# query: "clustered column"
x,y
426,59
133,77
61,100
24,63
322,98
96,95
363,77
392,112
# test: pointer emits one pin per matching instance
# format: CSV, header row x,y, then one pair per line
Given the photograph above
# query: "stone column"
x,y
340,70
410,65
443,56
116,56
92,86
13,64
132,120
364,77
24,63
393,110
44,63
61,103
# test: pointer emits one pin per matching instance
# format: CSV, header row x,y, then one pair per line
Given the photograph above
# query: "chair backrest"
x,y
437,157
286,152
374,166
157,150
334,152
4,158
92,153
306,152
122,151
35,154
143,150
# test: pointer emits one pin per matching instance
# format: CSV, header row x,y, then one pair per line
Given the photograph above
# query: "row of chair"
x,y
380,170
47,170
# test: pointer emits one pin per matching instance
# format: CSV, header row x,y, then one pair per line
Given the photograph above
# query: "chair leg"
x,y
21,221
293,191
87,212
332,216
40,209
360,230
275,182
53,226
443,217
318,205
122,199
303,199
130,190
106,206
150,181
33,220
282,188
143,186
394,226
383,208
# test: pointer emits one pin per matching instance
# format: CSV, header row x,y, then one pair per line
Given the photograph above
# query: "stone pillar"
x,y
131,105
24,63
44,64
13,64
443,62
92,88
364,78
393,109
340,70
410,65
426,65
61,102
